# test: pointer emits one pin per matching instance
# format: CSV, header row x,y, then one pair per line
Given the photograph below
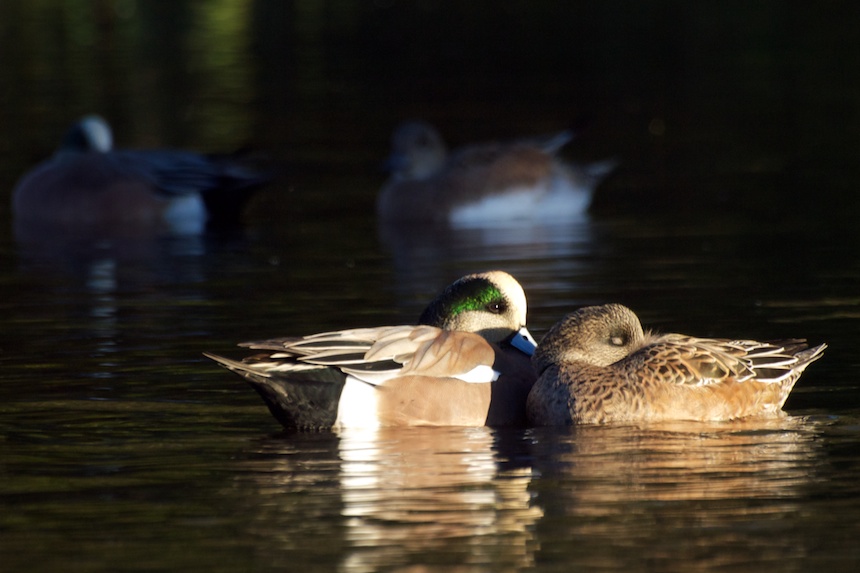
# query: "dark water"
x,y
732,214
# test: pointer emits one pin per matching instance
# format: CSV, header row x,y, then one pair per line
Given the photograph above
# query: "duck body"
x,y
471,367
493,182
598,366
87,182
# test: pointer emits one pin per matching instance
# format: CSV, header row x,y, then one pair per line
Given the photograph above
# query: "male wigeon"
x,y
88,182
597,366
467,363
485,183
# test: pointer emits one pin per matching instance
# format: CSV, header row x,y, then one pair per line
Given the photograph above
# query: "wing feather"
x,y
700,361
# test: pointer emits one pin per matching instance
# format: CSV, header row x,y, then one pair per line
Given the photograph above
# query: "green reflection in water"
x,y
219,60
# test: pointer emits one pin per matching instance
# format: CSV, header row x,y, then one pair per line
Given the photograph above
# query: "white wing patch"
x,y
481,374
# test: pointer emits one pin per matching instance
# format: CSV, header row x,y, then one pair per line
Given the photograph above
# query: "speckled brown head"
x,y
596,335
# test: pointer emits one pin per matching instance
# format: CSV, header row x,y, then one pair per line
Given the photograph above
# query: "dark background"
x,y
742,107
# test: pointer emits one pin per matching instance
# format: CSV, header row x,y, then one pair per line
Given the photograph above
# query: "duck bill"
x,y
523,341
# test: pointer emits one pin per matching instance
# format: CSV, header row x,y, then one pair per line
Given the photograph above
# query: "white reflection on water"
x,y
747,496
381,499
423,491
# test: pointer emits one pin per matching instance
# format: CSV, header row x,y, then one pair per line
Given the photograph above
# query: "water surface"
x,y
732,214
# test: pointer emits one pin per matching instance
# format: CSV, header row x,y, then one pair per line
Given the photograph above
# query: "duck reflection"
x,y
537,254
515,240
423,495
669,492
108,294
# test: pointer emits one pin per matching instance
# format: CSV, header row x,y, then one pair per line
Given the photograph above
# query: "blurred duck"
x,y
480,184
467,363
598,366
88,182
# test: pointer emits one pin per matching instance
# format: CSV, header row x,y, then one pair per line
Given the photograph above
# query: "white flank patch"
x,y
186,215
513,205
555,200
358,405
482,374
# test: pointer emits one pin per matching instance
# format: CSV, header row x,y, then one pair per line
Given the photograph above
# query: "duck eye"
x,y
496,307
618,340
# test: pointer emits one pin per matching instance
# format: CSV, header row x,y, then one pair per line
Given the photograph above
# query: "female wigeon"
x,y
467,363
486,183
88,182
597,365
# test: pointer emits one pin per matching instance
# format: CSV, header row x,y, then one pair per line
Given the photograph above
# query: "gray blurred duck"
x,y
486,183
88,182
